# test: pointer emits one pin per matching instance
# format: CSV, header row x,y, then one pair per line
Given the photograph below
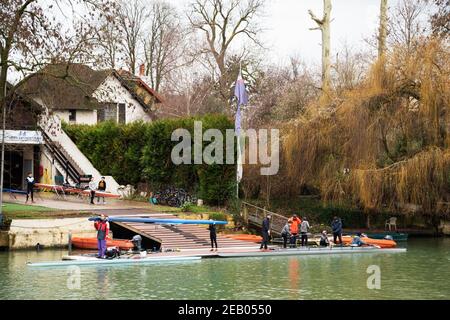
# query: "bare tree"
x,y
164,44
131,19
324,26
109,41
222,22
383,28
406,25
440,20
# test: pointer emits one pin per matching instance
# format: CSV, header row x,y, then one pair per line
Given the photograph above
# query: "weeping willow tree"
x,y
384,147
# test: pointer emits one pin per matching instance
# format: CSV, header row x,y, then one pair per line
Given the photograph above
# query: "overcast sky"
x,y
287,25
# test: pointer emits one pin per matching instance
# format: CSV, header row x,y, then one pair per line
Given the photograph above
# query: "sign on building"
x,y
22,137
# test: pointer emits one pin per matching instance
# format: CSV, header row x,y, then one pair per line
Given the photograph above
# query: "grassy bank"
x,y
22,211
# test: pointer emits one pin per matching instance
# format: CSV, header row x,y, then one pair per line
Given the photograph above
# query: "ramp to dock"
x,y
179,236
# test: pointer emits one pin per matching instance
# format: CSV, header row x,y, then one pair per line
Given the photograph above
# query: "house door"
x,y
13,178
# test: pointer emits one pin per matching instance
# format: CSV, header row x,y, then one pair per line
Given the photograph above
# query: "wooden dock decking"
x,y
179,236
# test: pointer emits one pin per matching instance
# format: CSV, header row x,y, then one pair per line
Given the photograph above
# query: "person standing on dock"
x,y
304,227
295,223
213,235
265,232
102,188
92,188
286,233
102,227
30,185
336,226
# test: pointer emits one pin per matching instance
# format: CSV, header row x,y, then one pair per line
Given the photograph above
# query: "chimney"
x,y
142,70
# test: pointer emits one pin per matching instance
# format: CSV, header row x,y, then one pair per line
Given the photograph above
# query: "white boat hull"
x,y
312,251
82,261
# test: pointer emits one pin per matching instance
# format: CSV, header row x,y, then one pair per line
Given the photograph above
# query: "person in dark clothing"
x,y
102,188
30,185
286,233
336,226
265,232
213,236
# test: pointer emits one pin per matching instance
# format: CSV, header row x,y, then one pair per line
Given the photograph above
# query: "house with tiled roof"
x,y
79,94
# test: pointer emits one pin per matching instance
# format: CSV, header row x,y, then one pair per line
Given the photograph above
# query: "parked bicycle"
x,y
174,197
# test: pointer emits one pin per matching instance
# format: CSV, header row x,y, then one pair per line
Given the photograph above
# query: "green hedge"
x,y
141,153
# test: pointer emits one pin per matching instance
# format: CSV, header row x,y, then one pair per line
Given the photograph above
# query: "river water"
x,y
421,273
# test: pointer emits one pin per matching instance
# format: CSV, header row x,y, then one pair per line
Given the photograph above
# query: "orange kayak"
x,y
91,243
244,237
383,243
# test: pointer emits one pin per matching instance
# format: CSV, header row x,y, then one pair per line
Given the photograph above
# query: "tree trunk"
x,y
383,29
324,26
326,61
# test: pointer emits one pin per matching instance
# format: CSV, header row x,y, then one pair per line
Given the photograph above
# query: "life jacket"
x,y
102,228
294,225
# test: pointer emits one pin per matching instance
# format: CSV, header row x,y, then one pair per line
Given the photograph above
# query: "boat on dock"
x,y
92,243
382,243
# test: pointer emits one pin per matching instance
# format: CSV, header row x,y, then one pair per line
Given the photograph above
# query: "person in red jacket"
x,y
102,227
295,224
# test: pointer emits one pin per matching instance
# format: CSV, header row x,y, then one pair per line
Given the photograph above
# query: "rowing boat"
x,y
244,237
395,236
92,243
309,251
83,261
383,243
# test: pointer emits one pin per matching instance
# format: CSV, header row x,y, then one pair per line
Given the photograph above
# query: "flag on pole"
x,y
242,98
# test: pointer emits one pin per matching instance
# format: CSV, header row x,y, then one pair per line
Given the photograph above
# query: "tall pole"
x,y
3,156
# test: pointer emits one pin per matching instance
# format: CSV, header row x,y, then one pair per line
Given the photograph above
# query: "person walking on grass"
x,y
265,232
213,235
102,188
304,227
92,188
30,185
286,233
102,227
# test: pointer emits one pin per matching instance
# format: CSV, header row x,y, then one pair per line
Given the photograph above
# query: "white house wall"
x,y
82,116
111,90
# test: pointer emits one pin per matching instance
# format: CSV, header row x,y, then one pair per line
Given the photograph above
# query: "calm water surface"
x,y
421,273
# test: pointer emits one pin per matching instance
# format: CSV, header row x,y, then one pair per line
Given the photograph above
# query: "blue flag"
x,y
242,99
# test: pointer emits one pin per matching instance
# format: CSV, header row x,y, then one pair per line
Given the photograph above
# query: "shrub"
x,y
141,153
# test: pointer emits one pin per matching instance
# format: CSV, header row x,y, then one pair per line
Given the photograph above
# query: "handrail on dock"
x,y
257,215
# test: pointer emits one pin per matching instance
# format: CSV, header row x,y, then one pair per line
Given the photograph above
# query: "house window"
x,y
121,112
72,115
107,113
100,115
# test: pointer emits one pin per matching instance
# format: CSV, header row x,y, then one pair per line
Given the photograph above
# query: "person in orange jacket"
x,y
295,224
102,227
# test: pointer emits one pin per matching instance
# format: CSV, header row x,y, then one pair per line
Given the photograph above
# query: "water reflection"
x,y
422,273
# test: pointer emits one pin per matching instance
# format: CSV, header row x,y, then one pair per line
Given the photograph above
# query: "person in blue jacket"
x,y
336,226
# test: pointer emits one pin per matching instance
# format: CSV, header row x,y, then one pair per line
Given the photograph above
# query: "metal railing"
x,y
255,215
59,156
